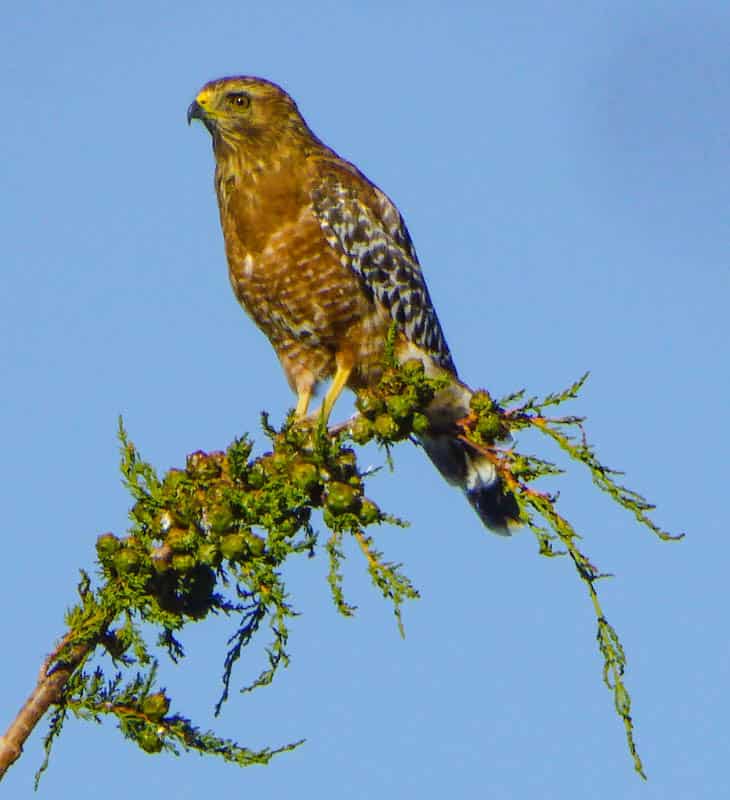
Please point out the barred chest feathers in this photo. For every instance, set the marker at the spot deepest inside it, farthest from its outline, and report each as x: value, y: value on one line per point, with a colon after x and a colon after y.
x: 307, y: 303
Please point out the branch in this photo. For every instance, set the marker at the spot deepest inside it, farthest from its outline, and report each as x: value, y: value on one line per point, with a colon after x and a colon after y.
x: 484, y: 428
x: 54, y: 675
x: 213, y: 536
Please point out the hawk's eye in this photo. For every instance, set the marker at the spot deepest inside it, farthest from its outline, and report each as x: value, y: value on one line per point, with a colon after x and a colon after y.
x: 238, y: 99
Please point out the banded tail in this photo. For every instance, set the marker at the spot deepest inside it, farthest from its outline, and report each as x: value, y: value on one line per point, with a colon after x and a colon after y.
x: 464, y: 466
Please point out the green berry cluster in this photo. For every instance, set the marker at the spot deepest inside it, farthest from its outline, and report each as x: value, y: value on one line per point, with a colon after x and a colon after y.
x: 319, y: 472
x: 185, y: 527
x: 147, y: 729
x: 227, y: 514
x: 487, y: 423
x: 393, y: 410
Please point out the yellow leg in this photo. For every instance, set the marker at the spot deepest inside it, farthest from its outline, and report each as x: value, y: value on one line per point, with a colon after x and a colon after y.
x: 303, y: 398
x: 342, y: 375
x: 338, y: 384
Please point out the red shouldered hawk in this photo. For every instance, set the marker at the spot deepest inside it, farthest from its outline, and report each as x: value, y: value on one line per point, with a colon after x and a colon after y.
x: 323, y: 262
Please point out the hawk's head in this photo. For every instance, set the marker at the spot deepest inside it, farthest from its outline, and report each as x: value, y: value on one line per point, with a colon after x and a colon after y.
x: 248, y: 114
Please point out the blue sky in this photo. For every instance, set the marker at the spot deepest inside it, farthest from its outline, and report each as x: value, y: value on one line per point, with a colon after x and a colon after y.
x: 564, y: 172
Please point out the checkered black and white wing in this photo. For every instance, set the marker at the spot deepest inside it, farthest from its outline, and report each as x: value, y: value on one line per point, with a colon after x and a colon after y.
x: 368, y: 232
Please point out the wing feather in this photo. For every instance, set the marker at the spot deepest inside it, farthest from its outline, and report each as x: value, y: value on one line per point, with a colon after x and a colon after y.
x: 366, y: 229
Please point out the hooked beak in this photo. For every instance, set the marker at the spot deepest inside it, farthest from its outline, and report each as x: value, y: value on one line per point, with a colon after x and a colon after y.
x: 196, y: 111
